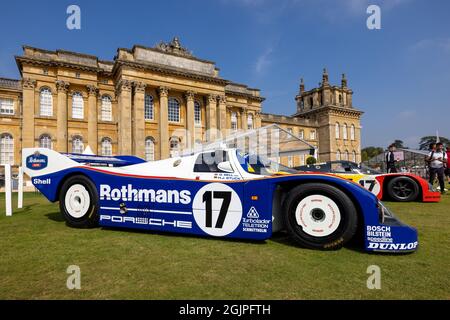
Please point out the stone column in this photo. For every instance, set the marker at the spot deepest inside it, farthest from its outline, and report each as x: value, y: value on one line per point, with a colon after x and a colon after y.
x: 164, y: 123
x: 123, y: 93
x: 257, y: 120
x: 211, y: 122
x: 92, y: 118
x: 244, y: 119
x: 190, y: 119
x: 28, y: 86
x: 61, y: 116
x: 139, y: 119
x: 222, y: 115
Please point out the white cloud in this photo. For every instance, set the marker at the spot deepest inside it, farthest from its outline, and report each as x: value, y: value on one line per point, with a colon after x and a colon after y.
x: 407, y: 114
x: 263, y: 62
x: 441, y: 44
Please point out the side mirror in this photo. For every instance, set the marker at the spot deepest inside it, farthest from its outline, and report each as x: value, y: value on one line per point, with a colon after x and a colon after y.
x: 225, y: 166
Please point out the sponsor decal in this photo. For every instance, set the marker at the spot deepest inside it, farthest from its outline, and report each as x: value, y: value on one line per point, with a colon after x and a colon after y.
x: 37, y: 161
x: 226, y: 176
x: 47, y: 181
x: 252, y: 223
x: 379, y: 234
x: 147, y: 221
x: 128, y: 193
x: 392, y: 246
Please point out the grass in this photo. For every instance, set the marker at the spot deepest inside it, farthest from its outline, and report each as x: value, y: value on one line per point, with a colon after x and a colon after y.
x: 37, y: 247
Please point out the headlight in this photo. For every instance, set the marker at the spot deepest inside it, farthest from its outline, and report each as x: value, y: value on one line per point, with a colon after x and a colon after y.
x: 384, y: 213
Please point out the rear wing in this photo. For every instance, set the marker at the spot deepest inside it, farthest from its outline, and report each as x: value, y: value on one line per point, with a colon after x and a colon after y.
x: 41, y: 161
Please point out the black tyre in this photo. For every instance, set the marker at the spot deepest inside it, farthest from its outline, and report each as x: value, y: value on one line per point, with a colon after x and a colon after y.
x: 403, y: 189
x: 78, y: 202
x: 320, y: 216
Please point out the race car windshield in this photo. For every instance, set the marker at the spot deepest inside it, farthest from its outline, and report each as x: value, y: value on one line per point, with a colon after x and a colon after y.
x: 367, y: 170
x: 257, y: 164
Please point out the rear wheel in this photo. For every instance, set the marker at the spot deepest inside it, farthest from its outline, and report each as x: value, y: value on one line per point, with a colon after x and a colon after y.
x: 403, y: 189
x: 320, y: 216
x: 78, y: 202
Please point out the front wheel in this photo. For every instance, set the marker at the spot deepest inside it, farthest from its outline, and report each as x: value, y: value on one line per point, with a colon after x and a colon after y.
x: 78, y: 202
x: 403, y: 189
x: 320, y: 216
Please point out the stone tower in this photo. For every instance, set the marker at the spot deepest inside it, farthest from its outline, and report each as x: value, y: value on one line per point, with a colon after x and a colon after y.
x: 339, y: 122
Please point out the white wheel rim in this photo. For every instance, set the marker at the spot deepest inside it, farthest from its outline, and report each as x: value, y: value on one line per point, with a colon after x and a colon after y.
x: 318, y: 215
x: 77, y: 201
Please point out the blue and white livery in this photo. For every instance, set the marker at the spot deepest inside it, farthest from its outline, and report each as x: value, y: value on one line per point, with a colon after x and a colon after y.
x: 220, y: 193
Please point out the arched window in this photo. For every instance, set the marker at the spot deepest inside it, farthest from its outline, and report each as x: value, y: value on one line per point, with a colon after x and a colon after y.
x: 352, y: 132
x: 250, y: 121
x: 77, y: 144
x: 337, y: 130
x: 174, y: 147
x: 174, y: 110
x: 77, y: 106
x: 148, y: 111
x: 234, y: 121
x: 354, y: 156
x: 301, y: 134
x: 6, y: 149
x: 338, y: 155
x: 340, y: 99
x: 106, y: 110
x: 106, y: 147
x: 344, y: 131
x: 346, y: 155
x: 149, y: 149
x: 46, y: 102
x: 45, y: 141
x: 197, y: 113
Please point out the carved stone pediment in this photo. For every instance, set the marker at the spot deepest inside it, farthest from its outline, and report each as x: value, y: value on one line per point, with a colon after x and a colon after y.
x: 174, y: 47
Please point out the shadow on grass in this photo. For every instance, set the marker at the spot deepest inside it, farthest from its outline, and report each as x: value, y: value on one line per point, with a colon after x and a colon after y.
x: 55, y: 216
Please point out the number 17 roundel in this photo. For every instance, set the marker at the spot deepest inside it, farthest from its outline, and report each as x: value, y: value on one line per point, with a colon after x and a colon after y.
x: 217, y: 209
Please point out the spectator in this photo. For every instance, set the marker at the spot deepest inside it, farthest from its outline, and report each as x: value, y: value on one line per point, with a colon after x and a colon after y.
x: 447, y: 169
x: 437, y: 159
x: 390, y: 160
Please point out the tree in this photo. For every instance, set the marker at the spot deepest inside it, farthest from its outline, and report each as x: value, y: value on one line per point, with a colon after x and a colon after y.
x: 370, y: 152
x: 425, y: 142
x: 399, y: 144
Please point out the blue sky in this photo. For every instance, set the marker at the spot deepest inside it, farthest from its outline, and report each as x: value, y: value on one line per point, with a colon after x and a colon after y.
x: 400, y: 74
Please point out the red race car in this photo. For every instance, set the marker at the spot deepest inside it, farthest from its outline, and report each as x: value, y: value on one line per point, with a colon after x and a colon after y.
x: 402, y: 187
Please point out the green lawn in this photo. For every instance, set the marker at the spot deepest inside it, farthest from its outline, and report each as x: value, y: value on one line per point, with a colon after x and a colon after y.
x: 37, y: 247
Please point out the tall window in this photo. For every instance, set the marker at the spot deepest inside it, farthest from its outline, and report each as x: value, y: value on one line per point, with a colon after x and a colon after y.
x: 338, y: 155
x: 77, y: 106
x: 174, y: 146
x: 149, y: 149
x: 46, y: 102
x: 250, y: 121
x: 106, y: 147
x: 289, y: 130
x: 197, y: 113
x: 312, y: 135
x: 6, y: 106
x: 77, y: 144
x: 354, y: 156
x: 6, y: 149
x: 301, y: 134
x: 106, y: 111
x: 148, y: 109
x: 352, y: 132
x: 234, y: 121
x: 45, y: 141
x: 346, y: 155
x: 290, y: 161
x: 344, y: 131
x: 174, y: 110
x: 337, y: 130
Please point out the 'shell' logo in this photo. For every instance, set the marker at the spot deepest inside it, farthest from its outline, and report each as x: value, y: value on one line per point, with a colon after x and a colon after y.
x: 37, y: 161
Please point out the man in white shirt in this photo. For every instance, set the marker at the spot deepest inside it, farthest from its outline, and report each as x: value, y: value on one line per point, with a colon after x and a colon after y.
x: 438, y: 160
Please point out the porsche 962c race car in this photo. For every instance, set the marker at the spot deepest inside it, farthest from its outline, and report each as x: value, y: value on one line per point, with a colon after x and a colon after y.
x: 218, y: 193
x: 402, y: 187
